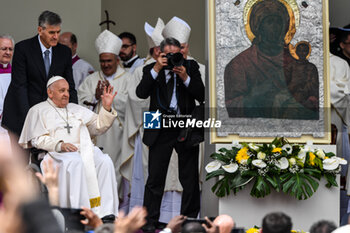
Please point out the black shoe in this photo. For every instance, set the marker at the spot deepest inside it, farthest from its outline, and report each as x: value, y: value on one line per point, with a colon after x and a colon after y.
x: 161, y: 225
x: 148, y: 228
x: 108, y: 218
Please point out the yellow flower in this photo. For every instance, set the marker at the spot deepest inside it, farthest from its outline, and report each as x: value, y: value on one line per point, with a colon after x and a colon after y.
x: 242, y: 155
x: 326, y: 157
x: 252, y: 230
x: 312, y: 157
x: 294, y: 231
x: 277, y: 149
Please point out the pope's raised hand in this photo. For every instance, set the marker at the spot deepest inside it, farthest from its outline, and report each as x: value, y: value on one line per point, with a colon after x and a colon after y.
x: 108, y: 97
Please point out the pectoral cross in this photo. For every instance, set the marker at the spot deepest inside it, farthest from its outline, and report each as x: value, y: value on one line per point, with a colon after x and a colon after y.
x: 68, y: 127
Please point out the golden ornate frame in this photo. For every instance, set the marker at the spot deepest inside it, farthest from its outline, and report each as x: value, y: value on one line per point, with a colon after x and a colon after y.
x: 214, y: 138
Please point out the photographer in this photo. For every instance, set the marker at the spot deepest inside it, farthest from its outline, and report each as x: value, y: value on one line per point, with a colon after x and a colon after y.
x: 172, y: 84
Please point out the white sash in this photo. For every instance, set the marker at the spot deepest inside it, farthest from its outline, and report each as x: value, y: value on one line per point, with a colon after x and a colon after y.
x: 87, y: 155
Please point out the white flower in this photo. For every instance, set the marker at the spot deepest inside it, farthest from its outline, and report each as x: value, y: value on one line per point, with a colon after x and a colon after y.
x: 244, y: 161
x: 282, y: 163
x: 302, y: 155
x: 330, y: 164
x: 259, y: 163
x: 333, y: 163
x: 213, y: 166
x: 231, y: 168
x: 253, y: 146
x: 287, y: 148
x: 273, y: 146
x: 261, y: 155
x: 342, y: 161
x: 235, y: 143
x: 292, y: 161
x: 320, y: 153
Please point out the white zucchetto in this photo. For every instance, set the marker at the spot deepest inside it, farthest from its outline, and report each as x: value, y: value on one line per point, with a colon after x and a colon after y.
x: 108, y: 42
x: 154, y: 34
x: 52, y: 80
x: 178, y: 29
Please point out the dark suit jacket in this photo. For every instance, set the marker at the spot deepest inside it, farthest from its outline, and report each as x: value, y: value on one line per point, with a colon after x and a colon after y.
x: 28, y: 83
x: 157, y: 90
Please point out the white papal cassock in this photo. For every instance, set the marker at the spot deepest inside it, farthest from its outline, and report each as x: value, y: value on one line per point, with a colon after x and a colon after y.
x: 86, y: 177
x: 111, y: 140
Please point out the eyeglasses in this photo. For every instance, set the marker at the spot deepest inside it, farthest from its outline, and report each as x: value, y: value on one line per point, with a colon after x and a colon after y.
x: 125, y: 46
x: 4, y: 49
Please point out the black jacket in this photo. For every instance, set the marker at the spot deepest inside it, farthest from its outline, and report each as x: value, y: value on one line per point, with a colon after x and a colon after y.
x: 28, y: 80
x: 157, y: 91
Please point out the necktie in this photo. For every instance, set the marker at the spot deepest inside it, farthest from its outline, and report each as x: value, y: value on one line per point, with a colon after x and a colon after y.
x: 170, y: 87
x: 47, y: 61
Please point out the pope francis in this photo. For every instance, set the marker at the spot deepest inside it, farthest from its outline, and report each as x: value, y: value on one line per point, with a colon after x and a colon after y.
x: 64, y: 130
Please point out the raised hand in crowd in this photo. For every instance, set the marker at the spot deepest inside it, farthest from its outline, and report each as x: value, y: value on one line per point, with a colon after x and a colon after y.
x: 210, y: 227
x: 92, y: 219
x: 108, y: 97
x: 132, y: 222
x: 50, y: 179
x: 175, y: 223
x: 22, y: 210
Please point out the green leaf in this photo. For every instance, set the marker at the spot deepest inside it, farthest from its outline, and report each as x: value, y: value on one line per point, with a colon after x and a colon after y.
x: 300, y: 185
x: 221, y: 157
x: 260, y: 188
x: 224, y: 150
x: 274, y: 181
x: 239, y: 181
x: 330, y: 154
x: 331, y: 180
x: 313, y: 172
x: 216, y: 173
x: 220, y: 188
x: 313, y: 183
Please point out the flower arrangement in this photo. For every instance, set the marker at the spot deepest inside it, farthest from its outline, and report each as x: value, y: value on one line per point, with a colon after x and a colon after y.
x: 293, y: 169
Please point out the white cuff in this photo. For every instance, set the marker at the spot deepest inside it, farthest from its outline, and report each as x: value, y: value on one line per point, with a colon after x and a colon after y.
x: 58, y: 146
x: 187, y: 82
x: 154, y: 74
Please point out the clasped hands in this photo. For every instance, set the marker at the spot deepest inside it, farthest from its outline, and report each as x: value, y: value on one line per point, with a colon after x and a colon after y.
x: 163, y: 61
x: 104, y: 91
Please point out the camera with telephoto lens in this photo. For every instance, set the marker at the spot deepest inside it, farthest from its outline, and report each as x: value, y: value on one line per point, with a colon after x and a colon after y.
x: 174, y: 59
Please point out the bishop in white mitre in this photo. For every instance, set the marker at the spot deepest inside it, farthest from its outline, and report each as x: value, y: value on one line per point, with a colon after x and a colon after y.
x: 111, y: 73
x: 64, y: 130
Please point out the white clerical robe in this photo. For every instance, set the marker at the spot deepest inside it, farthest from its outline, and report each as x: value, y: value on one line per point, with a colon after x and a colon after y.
x: 81, y: 69
x: 340, y: 112
x: 5, y: 80
x: 111, y: 141
x: 83, y: 180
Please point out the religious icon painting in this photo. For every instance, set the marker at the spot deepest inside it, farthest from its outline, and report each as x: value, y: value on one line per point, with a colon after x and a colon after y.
x: 268, y: 70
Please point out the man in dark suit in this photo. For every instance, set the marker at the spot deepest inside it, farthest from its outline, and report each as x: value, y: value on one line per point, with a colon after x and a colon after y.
x: 171, y: 91
x: 35, y: 60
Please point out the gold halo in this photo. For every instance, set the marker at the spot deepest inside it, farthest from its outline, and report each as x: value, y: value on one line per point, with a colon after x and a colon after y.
x: 293, y: 11
x: 292, y: 49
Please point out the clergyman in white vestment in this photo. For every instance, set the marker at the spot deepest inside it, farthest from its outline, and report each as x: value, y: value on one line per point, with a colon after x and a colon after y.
x: 6, y: 52
x: 111, y: 73
x: 86, y: 175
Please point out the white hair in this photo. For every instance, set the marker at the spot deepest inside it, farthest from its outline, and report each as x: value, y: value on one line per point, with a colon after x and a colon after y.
x: 7, y: 36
